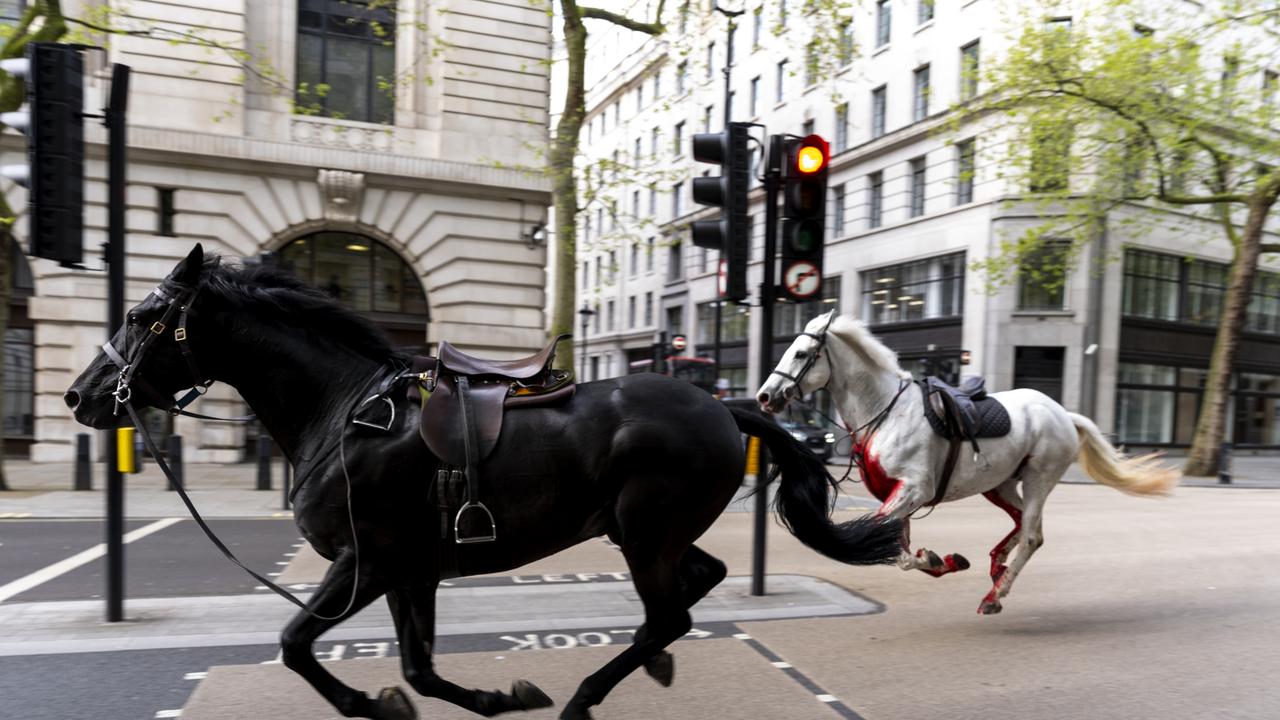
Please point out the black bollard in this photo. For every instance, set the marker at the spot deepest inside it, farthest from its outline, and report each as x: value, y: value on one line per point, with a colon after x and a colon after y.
x: 285, y: 483
x: 173, y: 449
x: 1224, y: 464
x: 84, y: 467
x: 264, y: 461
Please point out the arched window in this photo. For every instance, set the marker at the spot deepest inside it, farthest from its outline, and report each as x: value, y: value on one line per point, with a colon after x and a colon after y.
x: 347, y: 59
x: 367, y: 277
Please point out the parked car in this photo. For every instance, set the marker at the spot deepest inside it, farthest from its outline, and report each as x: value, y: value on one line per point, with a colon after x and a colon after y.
x: 810, y: 429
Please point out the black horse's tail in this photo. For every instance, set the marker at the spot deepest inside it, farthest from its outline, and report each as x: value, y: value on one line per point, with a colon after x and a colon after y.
x: 806, y: 495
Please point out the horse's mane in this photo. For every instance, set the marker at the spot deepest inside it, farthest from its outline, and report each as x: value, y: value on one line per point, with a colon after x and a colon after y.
x: 855, y: 333
x: 279, y: 295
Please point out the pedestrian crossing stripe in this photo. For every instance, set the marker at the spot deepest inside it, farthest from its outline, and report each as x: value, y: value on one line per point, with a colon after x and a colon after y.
x: 14, y: 515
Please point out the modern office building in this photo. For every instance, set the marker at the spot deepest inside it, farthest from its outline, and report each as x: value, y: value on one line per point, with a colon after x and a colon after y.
x: 366, y: 145
x: 913, y: 205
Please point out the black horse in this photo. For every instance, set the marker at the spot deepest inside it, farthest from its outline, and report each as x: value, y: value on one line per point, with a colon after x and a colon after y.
x: 645, y: 459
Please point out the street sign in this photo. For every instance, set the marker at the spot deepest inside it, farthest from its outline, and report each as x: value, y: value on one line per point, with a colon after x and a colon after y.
x: 678, y: 343
x: 802, y: 279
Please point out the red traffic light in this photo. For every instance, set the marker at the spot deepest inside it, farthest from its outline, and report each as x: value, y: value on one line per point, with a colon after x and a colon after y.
x: 811, y: 156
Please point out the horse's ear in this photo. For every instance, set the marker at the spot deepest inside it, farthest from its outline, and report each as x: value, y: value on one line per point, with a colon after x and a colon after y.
x: 187, y: 271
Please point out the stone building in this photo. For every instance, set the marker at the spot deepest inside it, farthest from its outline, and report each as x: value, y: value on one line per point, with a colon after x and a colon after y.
x: 912, y: 206
x: 373, y: 147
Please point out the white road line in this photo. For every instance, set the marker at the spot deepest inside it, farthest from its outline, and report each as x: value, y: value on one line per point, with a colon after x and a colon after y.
x: 62, y: 567
x: 195, y: 675
x: 741, y: 636
x: 168, y: 713
x: 782, y: 665
x: 828, y: 698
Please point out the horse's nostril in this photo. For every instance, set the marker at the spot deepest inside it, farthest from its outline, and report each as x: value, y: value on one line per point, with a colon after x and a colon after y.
x: 71, y: 398
x: 763, y: 398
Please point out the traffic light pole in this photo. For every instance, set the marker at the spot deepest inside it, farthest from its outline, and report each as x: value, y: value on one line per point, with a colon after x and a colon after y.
x: 768, y: 292
x: 115, y: 122
x: 728, y: 118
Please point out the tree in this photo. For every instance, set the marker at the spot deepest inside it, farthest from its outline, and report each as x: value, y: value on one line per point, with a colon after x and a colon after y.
x: 829, y: 49
x: 42, y: 21
x: 1100, y: 119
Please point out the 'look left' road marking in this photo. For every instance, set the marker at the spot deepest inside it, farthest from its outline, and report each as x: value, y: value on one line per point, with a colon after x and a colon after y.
x: 62, y: 567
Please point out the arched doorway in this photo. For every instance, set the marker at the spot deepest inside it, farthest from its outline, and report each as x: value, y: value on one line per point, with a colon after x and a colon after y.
x: 366, y: 276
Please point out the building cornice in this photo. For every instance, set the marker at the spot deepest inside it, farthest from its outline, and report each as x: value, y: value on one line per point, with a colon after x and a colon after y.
x: 229, y: 151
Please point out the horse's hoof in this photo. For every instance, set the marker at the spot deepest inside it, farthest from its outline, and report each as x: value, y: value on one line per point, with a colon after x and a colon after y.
x: 956, y: 562
x: 990, y: 607
x: 393, y: 704
x: 529, y: 696
x: 662, y: 667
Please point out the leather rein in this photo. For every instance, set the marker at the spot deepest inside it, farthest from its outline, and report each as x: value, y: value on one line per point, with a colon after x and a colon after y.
x: 180, y: 304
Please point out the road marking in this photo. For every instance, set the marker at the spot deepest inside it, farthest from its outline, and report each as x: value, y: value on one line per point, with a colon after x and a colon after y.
x: 801, y: 679
x: 196, y: 675
x: 14, y: 515
x: 62, y: 567
x: 828, y: 698
x: 782, y: 665
x: 168, y: 713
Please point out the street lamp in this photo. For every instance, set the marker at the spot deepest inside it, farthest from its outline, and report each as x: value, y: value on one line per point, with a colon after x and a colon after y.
x: 586, y: 312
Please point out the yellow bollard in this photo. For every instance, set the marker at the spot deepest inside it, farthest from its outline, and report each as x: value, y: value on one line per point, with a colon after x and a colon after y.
x: 753, y: 456
x: 126, y: 461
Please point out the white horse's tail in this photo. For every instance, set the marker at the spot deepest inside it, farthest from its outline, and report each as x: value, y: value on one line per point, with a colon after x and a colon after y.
x: 1138, y: 475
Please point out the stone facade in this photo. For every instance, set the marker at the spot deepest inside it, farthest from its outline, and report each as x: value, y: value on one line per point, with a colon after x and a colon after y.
x: 451, y: 186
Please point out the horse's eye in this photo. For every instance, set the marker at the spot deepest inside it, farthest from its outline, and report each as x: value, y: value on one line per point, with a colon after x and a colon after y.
x: 801, y: 355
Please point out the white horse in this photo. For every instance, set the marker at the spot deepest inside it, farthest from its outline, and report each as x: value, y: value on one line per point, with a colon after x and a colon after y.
x: 902, y: 458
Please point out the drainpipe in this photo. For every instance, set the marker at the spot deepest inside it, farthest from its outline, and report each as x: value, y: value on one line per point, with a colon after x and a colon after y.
x: 1093, y: 322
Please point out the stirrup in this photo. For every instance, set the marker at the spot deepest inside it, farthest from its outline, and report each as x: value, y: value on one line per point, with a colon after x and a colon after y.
x: 493, y: 528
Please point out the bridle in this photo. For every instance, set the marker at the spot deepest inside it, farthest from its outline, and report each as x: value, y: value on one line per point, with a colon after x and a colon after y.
x: 821, y: 338
x: 179, y: 303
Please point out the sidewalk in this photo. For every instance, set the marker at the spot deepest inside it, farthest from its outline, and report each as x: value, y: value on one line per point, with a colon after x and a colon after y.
x: 43, y: 490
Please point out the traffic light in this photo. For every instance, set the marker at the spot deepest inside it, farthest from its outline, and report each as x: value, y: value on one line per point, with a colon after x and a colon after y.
x: 804, y: 203
x: 730, y: 233
x: 53, y: 121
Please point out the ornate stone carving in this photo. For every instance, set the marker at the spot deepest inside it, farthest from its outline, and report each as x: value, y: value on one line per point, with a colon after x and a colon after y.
x: 317, y: 131
x: 341, y: 192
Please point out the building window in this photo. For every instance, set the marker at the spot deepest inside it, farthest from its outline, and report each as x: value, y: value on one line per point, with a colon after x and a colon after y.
x: 1230, y: 73
x: 11, y: 11
x: 920, y: 290
x: 921, y: 107
x: 19, y: 382
x: 677, y: 139
x: 754, y: 110
x: 648, y: 257
x: 789, y: 319
x: 917, y: 187
x: 837, y: 211
x: 675, y: 261
x: 358, y: 271
x: 875, y: 198
x: 1042, y: 277
x: 878, y: 109
x: 653, y: 200
x: 883, y: 22
x: 842, y: 127
x: 586, y: 275
x: 682, y: 72
x: 165, y: 212
x: 1270, y: 80
x: 1050, y: 157
x: 806, y: 128
x: 653, y: 143
x: 969, y: 70
x: 782, y: 13
x: 757, y: 21
x: 635, y: 204
x: 608, y: 316
x: 634, y: 265
x: 734, y: 324
x: 782, y: 82
x: 631, y: 312
x: 811, y: 64
x: 675, y: 321
x: 346, y: 60
x: 599, y: 271
x: 1159, y: 405
x: 677, y: 200
x: 648, y: 309
x: 707, y: 112
x: 845, y: 49
x: 966, y: 164
x: 1150, y: 285
x: 639, y: 97
x: 924, y: 11
x: 711, y: 59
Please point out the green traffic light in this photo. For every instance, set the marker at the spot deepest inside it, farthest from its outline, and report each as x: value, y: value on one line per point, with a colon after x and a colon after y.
x: 804, y: 239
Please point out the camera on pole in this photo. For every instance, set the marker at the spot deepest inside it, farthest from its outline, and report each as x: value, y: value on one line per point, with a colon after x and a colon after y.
x: 53, y: 121
x: 730, y: 233
x: 804, y: 204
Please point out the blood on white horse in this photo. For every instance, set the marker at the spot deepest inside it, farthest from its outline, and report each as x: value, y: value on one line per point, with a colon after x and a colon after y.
x: 902, y: 459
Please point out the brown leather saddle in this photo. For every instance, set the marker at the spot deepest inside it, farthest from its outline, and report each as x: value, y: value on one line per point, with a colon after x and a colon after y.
x: 464, y: 401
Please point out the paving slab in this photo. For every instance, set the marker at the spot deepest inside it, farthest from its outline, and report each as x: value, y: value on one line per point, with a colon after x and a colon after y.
x: 714, y: 679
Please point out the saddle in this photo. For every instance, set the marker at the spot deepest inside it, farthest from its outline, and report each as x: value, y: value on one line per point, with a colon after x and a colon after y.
x: 464, y: 399
x: 961, y: 414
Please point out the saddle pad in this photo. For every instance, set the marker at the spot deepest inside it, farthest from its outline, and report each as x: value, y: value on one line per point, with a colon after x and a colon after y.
x: 992, y: 419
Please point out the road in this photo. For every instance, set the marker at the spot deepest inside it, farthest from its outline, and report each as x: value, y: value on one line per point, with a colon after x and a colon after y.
x: 1135, y: 608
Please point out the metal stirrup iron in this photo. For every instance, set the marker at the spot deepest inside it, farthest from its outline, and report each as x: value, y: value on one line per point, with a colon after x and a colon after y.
x: 470, y: 503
